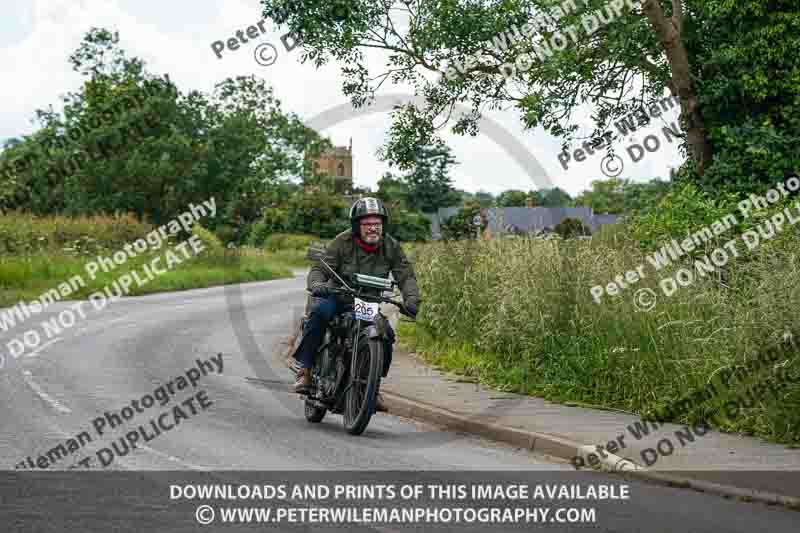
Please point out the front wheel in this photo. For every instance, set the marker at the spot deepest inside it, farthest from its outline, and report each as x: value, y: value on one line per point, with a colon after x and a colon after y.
x: 361, y: 396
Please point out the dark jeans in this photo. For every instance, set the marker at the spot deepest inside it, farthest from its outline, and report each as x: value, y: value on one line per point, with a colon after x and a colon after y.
x: 322, y: 311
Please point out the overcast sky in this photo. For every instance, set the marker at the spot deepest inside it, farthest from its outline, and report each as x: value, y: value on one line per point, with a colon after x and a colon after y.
x: 175, y: 36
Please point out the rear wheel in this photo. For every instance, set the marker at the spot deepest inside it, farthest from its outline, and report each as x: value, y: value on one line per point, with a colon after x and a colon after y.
x: 361, y: 396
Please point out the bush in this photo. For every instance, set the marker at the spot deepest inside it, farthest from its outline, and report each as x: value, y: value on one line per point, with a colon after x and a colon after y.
x: 571, y: 227
x: 227, y: 233
x: 22, y: 233
x: 213, y: 246
x: 319, y: 214
x: 286, y: 241
x: 682, y: 211
x: 408, y: 226
x: 460, y: 225
x: 274, y: 220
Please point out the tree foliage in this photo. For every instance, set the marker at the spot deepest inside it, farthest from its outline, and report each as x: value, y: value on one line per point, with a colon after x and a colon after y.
x: 129, y: 141
x: 428, y: 183
x: 393, y: 191
x: 554, y: 197
x: 514, y: 198
x: 732, y: 65
x: 622, y: 196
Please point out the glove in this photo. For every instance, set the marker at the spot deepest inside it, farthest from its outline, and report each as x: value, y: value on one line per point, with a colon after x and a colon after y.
x: 411, y: 309
x: 320, y: 291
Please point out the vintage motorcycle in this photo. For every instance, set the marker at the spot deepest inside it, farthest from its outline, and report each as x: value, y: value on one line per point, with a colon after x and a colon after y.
x: 349, y: 363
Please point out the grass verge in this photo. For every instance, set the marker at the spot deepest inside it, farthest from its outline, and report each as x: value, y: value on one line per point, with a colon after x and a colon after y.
x: 25, y: 278
x: 518, y: 315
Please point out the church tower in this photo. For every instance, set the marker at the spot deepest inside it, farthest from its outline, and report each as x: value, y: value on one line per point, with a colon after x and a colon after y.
x: 336, y: 164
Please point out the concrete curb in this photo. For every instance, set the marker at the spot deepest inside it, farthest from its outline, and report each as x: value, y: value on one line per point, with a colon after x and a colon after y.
x: 545, y: 443
x: 565, y: 448
x: 558, y: 446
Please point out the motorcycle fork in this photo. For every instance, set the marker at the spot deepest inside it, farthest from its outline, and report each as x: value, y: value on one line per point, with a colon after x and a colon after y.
x: 355, y: 351
x: 353, y: 360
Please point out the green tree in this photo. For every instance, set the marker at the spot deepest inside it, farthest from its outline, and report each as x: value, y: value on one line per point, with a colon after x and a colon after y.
x: 484, y: 199
x: 513, y: 198
x: 554, y: 197
x: 428, y: 183
x: 616, y: 195
x: 393, y: 191
x: 409, y: 226
x: 321, y: 214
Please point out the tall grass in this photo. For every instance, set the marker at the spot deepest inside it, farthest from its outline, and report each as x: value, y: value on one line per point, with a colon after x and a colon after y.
x: 519, y: 314
x: 23, y: 233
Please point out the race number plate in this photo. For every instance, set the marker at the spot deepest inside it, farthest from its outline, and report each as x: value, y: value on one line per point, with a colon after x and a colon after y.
x: 365, y: 310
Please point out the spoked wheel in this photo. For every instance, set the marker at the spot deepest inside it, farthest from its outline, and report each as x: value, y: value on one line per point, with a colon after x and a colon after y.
x: 361, y: 396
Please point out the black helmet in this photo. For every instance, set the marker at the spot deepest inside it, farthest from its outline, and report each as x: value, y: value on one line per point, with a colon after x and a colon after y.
x: 367, y: 206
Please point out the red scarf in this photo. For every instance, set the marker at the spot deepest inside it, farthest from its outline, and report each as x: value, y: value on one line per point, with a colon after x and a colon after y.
x: 369, y: 248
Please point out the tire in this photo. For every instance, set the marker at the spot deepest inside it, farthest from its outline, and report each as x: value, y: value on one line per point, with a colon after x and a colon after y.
x: 361, y: 396
x: 314, y: 414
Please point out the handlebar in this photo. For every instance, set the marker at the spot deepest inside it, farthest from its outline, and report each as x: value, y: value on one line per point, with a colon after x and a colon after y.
x: 379, y: 299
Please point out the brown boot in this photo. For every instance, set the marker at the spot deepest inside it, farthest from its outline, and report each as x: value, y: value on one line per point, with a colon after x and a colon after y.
x: 380, y: 407
x: 302, y: 384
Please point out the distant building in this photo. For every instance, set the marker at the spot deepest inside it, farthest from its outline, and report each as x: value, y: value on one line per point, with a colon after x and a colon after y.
x: 524, y: 220
x: 336, y: 165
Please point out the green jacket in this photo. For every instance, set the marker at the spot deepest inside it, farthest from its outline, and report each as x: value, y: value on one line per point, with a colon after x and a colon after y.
x: 348, y: 258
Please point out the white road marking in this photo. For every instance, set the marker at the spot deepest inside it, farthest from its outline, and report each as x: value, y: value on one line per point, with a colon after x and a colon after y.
x: 26, y: 375
x: 63, y: 409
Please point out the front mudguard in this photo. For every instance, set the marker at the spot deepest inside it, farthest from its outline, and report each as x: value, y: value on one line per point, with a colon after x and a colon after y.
x: 378, y: 329
x: 380, y: 333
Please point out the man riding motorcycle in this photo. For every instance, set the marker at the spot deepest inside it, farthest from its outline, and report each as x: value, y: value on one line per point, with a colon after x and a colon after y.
x: 363, y: 249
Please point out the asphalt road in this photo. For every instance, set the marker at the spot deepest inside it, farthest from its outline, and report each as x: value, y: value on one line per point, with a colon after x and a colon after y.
x: 137, y: 345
